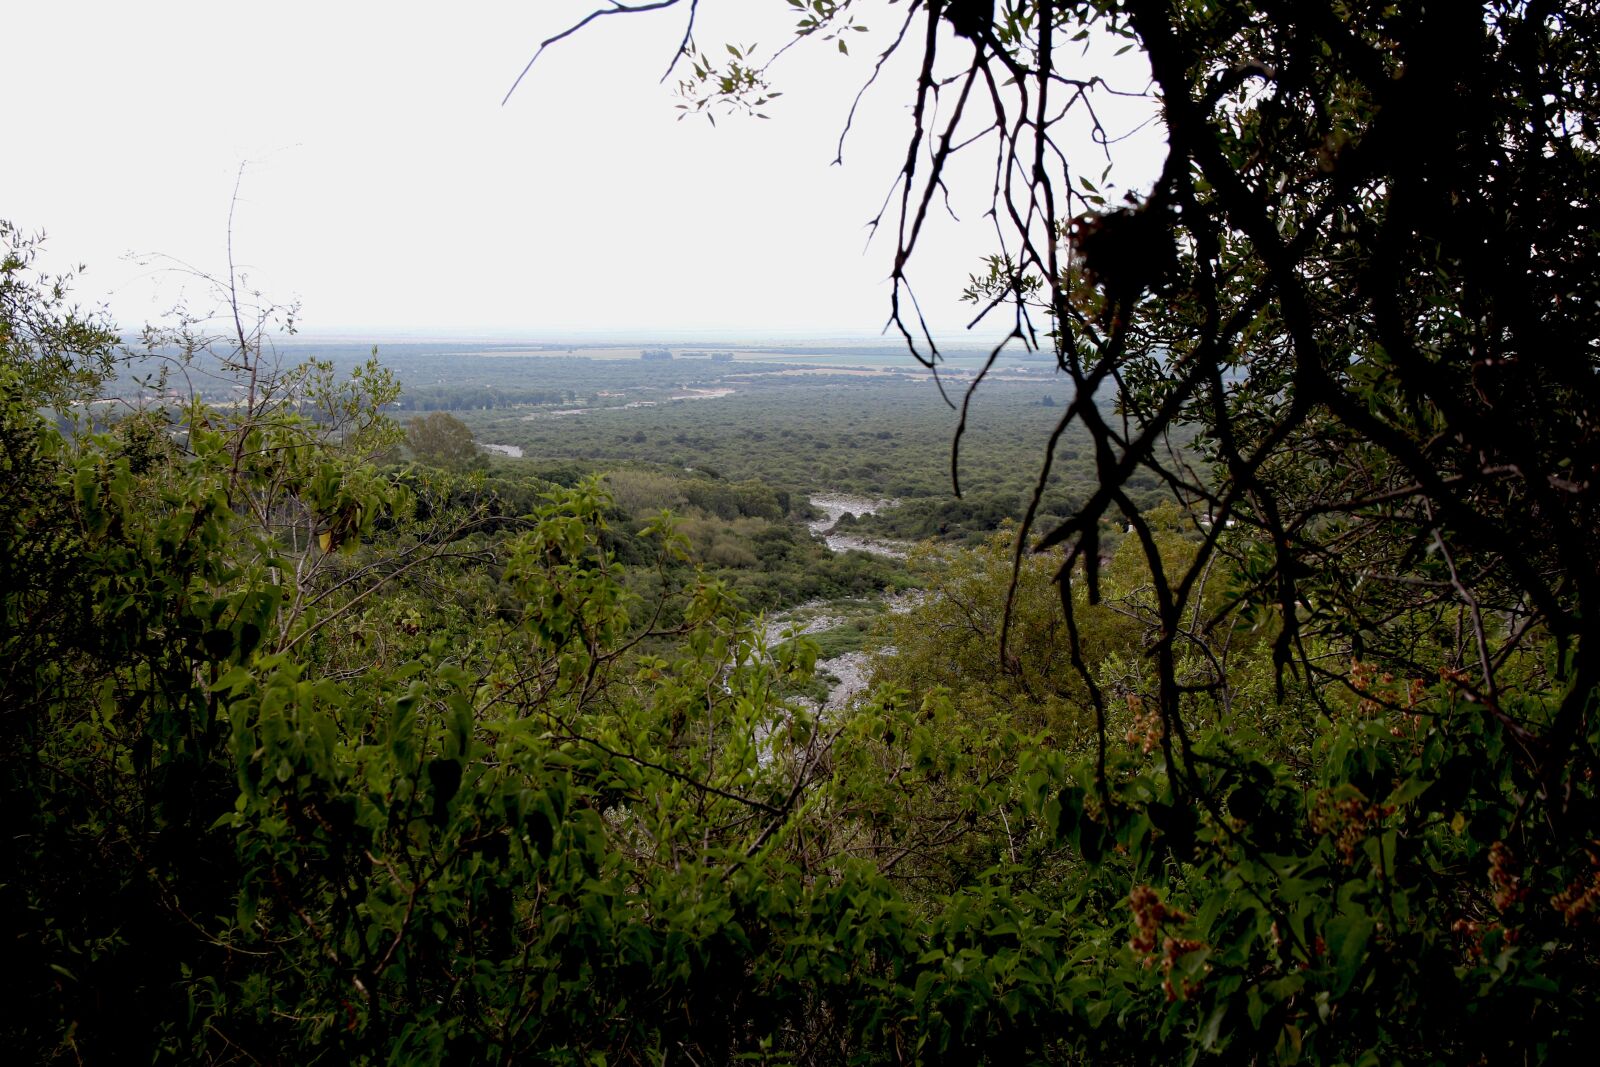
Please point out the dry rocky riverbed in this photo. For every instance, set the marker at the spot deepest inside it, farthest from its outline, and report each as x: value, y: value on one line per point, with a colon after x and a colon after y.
x: 818, y: 617
x: 848, y: 672
x: 514, y: 451
x: 849, y: 669
x: 834, y: 506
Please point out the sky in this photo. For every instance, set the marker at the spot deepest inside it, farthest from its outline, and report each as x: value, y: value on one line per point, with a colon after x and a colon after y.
x: 383, y: 186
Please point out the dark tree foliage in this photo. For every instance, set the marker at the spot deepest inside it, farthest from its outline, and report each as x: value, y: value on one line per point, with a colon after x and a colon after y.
x: 1383, y: 314
x: 58, y: 352
x: 442, y: 440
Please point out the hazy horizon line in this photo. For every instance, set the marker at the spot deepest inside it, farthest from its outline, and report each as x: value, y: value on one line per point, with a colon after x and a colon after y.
x: 599, y: 338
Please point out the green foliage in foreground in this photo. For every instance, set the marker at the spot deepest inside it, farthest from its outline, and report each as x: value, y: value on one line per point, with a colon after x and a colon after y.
x: 534, y: 840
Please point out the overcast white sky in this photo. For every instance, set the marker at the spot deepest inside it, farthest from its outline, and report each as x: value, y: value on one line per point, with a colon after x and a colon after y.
x: 390, y: 193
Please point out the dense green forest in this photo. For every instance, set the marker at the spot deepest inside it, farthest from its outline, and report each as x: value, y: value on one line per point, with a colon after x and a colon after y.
x: 1241, y: 708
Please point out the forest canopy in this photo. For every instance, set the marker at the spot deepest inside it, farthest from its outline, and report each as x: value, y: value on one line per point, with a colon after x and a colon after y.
x: 313, y: 753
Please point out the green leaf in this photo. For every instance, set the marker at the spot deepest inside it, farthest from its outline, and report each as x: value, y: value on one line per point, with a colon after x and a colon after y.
x: 1409, y: 790
x: 1211, y: 1031
x: 1347, y: 941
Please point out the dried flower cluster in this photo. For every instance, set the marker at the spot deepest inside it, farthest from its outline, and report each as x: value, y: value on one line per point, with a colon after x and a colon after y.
x: 1503, y: 877
x: 1472, y: 933
x: 1582, y: 895
x: 1150, y: 914
x: 1145, y: 729
x: 1348, y: 821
